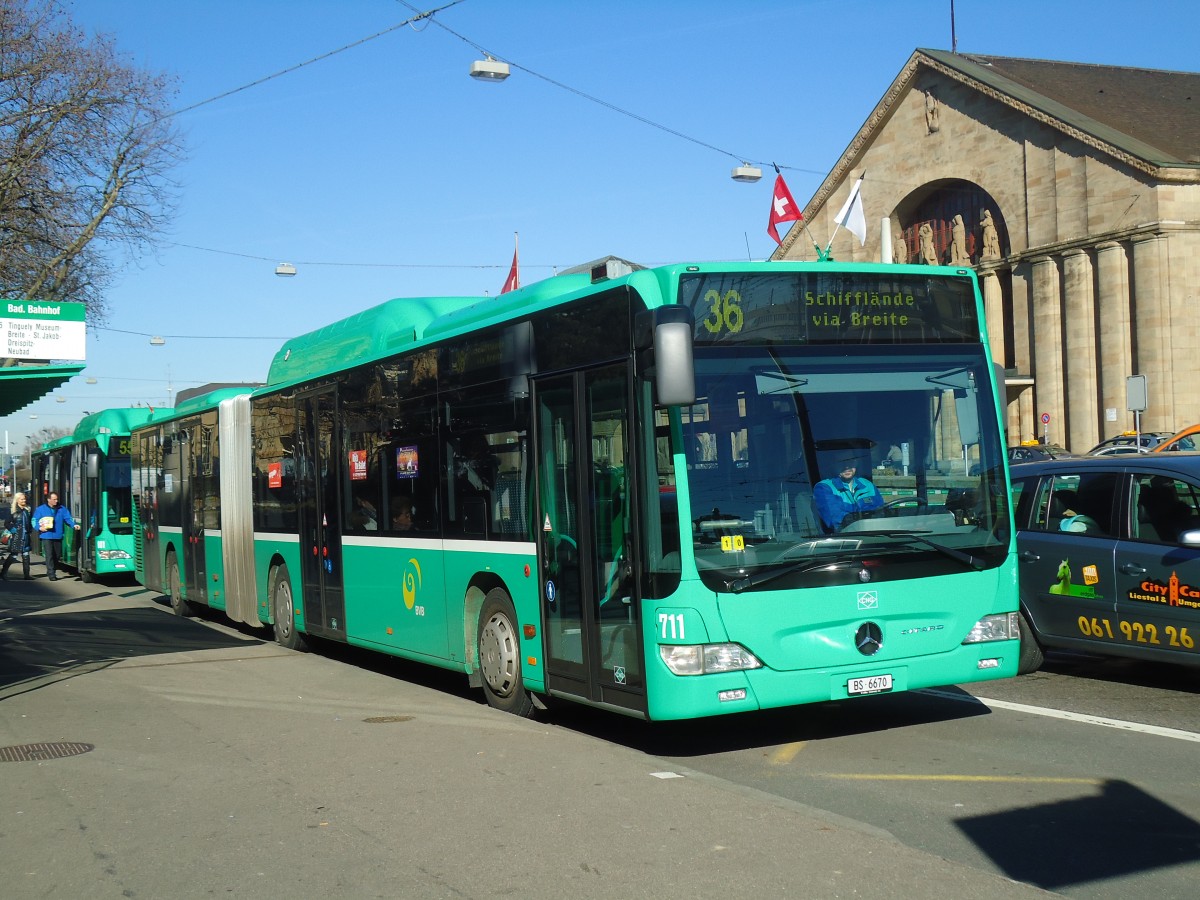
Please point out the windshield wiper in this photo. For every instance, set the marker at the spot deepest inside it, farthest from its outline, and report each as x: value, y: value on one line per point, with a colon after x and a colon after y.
x: 737, y: 585
x: 957, y: 555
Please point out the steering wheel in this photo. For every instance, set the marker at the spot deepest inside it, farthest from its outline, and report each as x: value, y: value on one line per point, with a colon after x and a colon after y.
x: 889, y: 508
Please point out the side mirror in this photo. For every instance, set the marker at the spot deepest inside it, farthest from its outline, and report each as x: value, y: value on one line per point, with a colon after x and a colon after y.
x: 93, y: 465
x: 674, y: 361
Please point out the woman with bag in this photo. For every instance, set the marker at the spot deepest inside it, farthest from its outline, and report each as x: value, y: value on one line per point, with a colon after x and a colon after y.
x: 20, y: 532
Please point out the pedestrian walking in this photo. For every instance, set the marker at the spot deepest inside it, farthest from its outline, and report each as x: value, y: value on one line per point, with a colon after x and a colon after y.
x: 52, y: 520
x: 20, y: 535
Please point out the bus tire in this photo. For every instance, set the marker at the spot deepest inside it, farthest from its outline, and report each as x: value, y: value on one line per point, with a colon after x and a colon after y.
x: 1031, y: 657
x: 499, y: 647
x: 283, y: 608
x: 179, y: 606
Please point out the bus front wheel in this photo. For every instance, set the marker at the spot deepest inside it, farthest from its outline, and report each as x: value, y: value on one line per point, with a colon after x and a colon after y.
x: 1031, y: 657
x: 283, y: 605
x: 499, y: 647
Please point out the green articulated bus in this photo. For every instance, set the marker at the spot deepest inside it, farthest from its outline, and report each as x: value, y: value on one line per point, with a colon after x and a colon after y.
x: 613, y: 487
x: 193, y: 531
x: 90, y: 471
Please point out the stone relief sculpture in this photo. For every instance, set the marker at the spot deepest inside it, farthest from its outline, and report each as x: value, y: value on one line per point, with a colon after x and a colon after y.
x: 991, y: 240
x: 899, y: 247
x: 958, y: 243
x: 931, y: 112
x: 928, y: 253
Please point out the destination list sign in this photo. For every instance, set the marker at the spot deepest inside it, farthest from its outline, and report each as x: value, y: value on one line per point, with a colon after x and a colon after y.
x: 35, y: 329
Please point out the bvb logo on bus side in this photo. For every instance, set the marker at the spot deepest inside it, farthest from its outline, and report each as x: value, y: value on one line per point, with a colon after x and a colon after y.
x: 412, y: 582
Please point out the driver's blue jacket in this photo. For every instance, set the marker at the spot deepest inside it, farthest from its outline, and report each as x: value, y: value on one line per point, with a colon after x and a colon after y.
x: 837, y: 499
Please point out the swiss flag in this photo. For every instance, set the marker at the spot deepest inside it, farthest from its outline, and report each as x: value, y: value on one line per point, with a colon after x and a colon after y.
x: 783, y: 208
x: 513, y: 281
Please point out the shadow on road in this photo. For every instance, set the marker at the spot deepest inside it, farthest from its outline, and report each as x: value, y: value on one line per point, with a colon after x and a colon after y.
x: 1122, y: 831
x: 40, y: 646
x: 770, y: 728
x: 1140, y: 673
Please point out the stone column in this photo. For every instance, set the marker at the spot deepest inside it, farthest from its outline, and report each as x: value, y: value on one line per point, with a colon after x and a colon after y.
x: 1152, y: 312
x: 1047, y: 347
x: 993, y: 313
x: 1116, y: 354
x: 1082, y: 383
x: 1022, y: 421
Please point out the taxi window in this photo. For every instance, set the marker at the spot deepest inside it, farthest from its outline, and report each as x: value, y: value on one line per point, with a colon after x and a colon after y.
x: 1165, y: 507
x: 1076, y: 504
x: 1023, y: 492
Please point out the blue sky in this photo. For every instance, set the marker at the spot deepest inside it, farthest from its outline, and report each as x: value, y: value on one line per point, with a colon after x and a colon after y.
x: 385, y: 171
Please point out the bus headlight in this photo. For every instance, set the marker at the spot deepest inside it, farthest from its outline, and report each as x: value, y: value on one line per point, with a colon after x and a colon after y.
x: 113, y: 554
x: 707, y: 659
x: 1000, y: 627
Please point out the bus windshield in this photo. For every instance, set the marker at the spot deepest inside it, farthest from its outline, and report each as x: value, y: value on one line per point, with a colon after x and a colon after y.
x: 811, y: 465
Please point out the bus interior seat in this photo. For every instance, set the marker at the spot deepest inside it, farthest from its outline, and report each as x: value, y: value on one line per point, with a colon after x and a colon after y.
x: 509, y: 505
x: 1161, y: 514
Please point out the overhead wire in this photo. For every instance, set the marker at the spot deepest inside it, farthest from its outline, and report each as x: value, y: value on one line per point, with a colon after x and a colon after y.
x: 606, y: 104
x: 428, y: 14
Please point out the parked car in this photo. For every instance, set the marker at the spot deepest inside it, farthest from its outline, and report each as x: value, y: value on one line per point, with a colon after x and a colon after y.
x: 1181, y: 440
x: 1109, y: 551
x: 1033, y: 452
x: 1029, y: 453
x: 1119, y: 449
x: 1132, y: 441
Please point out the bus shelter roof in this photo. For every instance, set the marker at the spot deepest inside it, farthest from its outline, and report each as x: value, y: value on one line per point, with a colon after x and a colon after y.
x: 22, y: 385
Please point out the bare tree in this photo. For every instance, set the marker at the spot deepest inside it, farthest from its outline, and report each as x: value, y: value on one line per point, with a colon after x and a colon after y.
x: 87, y: 144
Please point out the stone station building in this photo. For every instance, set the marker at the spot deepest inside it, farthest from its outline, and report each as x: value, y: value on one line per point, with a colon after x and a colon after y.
x: 1074, y: 192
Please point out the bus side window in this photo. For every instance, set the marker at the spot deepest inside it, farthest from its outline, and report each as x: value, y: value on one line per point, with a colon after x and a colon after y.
x: 410, y: 468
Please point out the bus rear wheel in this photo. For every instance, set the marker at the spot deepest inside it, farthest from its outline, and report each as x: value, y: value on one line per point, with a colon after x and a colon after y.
x: 283, y: 605
x: 499, y: 647
x: 179, y: 606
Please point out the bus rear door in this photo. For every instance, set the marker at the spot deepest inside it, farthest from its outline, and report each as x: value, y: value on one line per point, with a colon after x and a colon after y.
x: 318, y: 481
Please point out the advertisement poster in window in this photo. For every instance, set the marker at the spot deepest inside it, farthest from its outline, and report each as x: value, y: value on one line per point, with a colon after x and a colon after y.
x: 358, y: 465
x: 406, y: 462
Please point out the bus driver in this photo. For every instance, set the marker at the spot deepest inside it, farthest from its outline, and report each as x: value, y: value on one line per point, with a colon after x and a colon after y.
x: 845, y: 495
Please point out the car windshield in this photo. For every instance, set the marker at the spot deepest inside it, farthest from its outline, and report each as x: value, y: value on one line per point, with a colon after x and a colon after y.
x: 912, y: 433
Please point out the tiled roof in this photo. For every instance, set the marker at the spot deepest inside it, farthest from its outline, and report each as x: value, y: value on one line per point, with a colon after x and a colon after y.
x: 1150, y: 113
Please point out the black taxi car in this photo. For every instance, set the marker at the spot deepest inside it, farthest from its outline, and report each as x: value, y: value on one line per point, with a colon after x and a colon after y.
x: 1109, y: 556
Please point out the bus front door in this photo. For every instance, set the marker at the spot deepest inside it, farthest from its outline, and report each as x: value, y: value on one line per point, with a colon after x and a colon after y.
x: 585, y: 546
x: 318, y: 479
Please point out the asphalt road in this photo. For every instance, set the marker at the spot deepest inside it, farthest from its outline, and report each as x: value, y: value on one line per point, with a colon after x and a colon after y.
x: 218, y: 763
x: 1081, y: 779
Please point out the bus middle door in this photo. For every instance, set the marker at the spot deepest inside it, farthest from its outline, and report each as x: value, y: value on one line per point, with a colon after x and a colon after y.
x: 318, y: 477
x: 192, y: 514
x: 589, y: 602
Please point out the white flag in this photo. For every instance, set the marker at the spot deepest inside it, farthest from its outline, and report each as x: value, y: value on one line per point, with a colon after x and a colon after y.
x: 851, y: 216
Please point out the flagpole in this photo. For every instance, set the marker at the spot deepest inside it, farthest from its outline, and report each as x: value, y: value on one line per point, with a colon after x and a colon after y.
x: 804, y: 223
x: 816, y: 246
x: 849, y: 205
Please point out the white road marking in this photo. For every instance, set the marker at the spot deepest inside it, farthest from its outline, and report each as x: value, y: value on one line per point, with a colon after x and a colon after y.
x: 1082, y: 718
